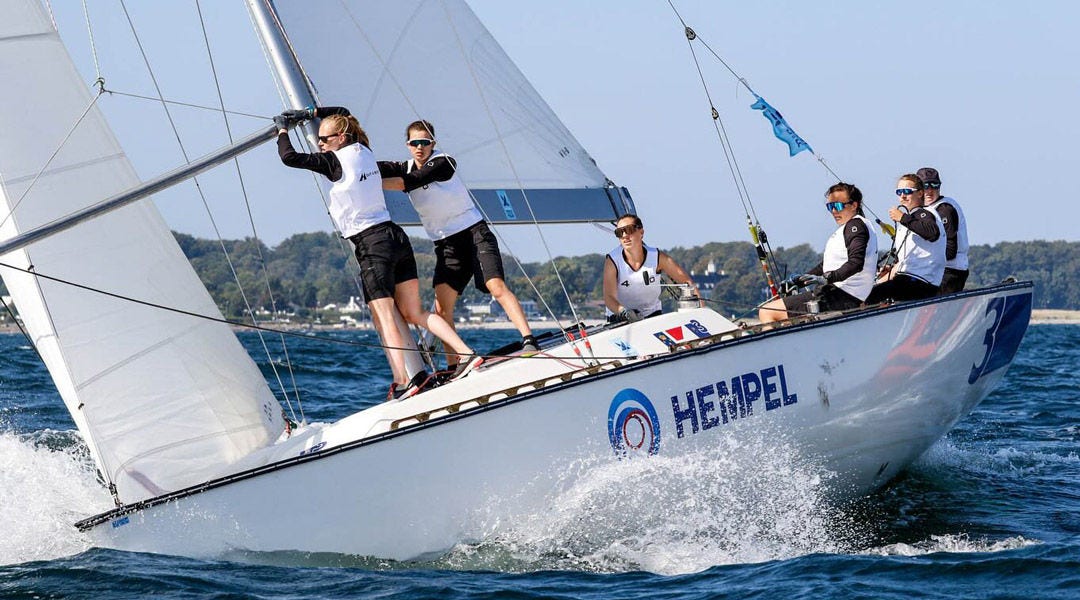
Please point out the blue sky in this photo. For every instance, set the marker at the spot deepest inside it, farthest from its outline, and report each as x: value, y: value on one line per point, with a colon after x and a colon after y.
x: 981, y: 90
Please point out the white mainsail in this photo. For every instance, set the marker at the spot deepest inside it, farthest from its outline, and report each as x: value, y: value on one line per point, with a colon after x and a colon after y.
x: 392, y: 63
x: 164, y: 400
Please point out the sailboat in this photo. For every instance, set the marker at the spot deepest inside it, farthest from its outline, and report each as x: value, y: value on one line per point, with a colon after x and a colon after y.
x: 193, y: 445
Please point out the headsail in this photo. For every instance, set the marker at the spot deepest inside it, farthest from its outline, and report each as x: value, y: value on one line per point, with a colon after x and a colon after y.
x: 164, y: 400
x: 394, y: 62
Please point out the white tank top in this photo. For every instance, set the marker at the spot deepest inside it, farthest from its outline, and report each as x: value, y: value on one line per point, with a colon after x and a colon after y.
x: 445, y: 207
x: 960, y: 262
x: 919, y: 257
x: 356, y: 200
x: 859, y: 284
x: 638, y: 289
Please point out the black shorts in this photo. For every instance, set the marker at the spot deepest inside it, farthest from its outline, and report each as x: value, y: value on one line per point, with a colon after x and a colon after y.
x: 386, y: 259
x: 829, y: 297
x: 469, y: 254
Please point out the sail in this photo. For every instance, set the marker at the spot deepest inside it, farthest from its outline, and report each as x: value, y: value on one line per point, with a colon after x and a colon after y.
x: 163, y: 400
x: 392, y: 63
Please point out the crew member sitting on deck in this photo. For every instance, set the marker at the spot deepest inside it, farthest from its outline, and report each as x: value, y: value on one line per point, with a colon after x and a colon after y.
x: 632, y: 274
x: 919, y: 248
x: 956, y: 239
x: 846, y: 272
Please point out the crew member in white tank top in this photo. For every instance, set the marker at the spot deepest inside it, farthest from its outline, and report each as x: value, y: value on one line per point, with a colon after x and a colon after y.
x: 356, y: 199
x: 465, y: 248
x: 387, y: 265
x: 445, y: 207
x: 956, y: 237
x: 639, y: 288
x: 632, y: 274
x: 919, y: 248
x: 845, y: 275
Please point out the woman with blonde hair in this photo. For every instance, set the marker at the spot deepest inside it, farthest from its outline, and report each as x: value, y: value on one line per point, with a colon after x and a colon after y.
x: 387, y: 264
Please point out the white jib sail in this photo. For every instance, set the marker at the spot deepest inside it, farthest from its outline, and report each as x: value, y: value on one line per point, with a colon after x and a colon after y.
x: 163, y: 400
x: 394, y: 62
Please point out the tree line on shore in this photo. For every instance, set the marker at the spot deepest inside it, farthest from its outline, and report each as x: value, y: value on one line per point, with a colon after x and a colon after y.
x: 311, y: 270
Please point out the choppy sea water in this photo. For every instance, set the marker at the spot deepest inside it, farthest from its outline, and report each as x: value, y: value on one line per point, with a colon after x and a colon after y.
x: 991, y: 511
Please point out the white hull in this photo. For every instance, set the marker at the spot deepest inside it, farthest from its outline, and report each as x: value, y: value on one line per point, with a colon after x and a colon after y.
x: 861, y: 395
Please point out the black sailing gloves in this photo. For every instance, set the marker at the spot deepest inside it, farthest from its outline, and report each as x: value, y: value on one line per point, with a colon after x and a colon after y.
x: 290, y: 118
x: 807, y: 280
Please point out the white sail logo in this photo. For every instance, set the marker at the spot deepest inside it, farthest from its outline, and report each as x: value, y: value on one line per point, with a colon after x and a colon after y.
x: 633, y: 426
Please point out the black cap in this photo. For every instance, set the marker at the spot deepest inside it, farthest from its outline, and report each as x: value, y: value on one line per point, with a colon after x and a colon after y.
x: 929, y: 175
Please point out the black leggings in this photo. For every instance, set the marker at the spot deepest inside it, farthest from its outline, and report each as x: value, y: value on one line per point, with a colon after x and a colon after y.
x: 900, y: 288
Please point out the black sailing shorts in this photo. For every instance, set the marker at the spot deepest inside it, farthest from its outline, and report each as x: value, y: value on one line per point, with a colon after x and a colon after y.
x: 472, y: 253
x: 386, y: 259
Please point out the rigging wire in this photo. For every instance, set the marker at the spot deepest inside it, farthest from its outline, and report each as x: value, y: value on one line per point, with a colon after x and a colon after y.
x: 187, y: 104
x: 52, y: 156
x: 100, y: 81
x: 202, y: 196
x: 251, y: 220
x: 252, y: 326
x: 757, y: 233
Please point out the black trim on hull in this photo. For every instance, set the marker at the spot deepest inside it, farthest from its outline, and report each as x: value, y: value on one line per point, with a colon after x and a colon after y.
x: 91, y: 522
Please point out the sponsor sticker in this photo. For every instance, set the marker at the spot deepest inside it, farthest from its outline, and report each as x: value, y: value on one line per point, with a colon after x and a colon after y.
x: 633, y: 427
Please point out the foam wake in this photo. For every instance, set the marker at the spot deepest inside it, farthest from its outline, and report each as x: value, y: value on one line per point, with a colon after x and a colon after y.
x: 47, y: 483
x: 737, y: 502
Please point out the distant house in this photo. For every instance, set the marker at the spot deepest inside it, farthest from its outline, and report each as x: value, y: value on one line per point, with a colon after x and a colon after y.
x: 491, y: 310
x: 349, y: 308
x: 709, y: 279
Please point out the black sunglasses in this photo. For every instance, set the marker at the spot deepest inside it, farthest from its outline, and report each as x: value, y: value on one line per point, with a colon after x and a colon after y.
x: 625, y: 230
x: 326, y: 138
x: 420, y: 143
x: 933, y: 186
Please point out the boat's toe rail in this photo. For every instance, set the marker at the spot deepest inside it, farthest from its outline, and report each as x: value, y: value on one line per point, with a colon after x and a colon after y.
x: 479, y: 401
x: 747, y: 329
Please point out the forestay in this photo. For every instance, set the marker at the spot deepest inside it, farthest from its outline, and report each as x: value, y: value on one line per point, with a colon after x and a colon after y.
x: 394, y: 62
x: 164, y: 400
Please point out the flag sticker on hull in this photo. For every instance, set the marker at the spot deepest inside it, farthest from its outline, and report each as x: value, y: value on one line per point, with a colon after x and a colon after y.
x: 676, y: 335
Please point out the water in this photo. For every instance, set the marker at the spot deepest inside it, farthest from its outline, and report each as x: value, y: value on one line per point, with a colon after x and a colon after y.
x: 992, y: 511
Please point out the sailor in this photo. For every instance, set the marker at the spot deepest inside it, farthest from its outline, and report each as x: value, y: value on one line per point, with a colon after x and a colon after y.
x: 387, y: 264
x: 845, y: 275
x: 956, y: 239
x: 465, y: 247
x: 919, y: 248
x: 632, y: 274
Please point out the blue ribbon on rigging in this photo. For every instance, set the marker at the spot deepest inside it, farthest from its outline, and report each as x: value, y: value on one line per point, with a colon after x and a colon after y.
x: 780, y: 127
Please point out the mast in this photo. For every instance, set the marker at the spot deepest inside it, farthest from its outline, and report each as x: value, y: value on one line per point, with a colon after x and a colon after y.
x: 285, y: 64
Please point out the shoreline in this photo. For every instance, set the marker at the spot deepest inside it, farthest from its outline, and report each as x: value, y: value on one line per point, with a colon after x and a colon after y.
x: 1045, y: 316
x: 1040, y: 316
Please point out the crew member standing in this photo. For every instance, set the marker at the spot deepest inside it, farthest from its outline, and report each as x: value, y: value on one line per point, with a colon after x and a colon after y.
x: 465, y: 247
